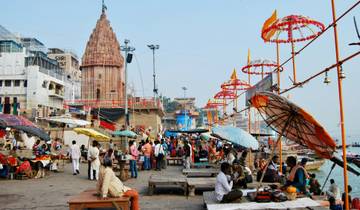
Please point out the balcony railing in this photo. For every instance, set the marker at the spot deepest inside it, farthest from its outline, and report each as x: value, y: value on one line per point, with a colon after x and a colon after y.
x: 133, y: 103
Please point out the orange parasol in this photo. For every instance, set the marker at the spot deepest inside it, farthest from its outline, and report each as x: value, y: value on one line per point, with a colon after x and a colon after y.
x: 294, y: 123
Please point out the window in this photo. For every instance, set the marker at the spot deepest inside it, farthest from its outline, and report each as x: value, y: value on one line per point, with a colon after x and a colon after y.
x: 25, y: 83
x: 7, y: 83
x: 99, y: 76
x: 97, y: 94
x: 16, y: 83
x: 1, y: 83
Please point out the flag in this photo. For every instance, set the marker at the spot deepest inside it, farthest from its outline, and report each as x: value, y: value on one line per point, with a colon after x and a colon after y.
x: 271, y: 20
x: 234, y: 75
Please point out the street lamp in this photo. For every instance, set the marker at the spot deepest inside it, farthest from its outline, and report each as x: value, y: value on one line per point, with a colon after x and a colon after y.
x: 184, y: 89
x: 128, y: 58
x: 153, y: 48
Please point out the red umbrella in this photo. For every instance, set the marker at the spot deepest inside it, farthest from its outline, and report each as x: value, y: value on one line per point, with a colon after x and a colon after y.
x: 260, y: 67
x: 291, y: 29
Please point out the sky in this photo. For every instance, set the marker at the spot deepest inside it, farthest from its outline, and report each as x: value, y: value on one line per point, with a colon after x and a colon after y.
x: 201, y: 42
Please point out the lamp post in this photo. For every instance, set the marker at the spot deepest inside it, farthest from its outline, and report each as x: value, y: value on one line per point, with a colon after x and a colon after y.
x: 128, y: 58
x: 153, y: 48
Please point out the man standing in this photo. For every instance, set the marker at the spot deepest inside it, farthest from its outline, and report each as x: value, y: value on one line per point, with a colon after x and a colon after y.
x: 159, y: 154
x: 187, y: 149
x: 224, y: 184
x: 147, y: 149
x: 75, y: 157
x: 95, y: 161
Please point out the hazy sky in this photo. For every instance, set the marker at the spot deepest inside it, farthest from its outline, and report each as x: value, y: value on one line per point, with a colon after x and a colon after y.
x: 201, y: 41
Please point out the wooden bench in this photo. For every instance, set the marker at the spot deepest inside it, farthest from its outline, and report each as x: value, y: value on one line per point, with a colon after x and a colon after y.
x: 88, y: 199
x: 161, y: 180
x: 201, y: 172
x: 174, y: 160
x: 193, y: 183
x: 211, y: 203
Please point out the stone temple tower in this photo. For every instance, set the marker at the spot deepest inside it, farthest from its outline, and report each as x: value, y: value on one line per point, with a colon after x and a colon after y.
x: 102, y: 67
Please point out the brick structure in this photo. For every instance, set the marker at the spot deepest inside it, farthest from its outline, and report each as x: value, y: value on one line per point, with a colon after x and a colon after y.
x: 102, y: 65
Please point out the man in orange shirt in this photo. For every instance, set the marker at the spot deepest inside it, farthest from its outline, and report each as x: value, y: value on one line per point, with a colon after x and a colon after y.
x: 147, y: 149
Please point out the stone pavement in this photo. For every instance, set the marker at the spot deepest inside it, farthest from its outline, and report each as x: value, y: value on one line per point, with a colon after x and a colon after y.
x: 53, y: 191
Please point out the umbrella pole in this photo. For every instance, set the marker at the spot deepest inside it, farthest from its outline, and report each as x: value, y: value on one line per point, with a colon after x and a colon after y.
x: 342, y: 121
x: 293, y: 56
x: 332, y: 168
x: 278, y: 84
x: 273, y: 151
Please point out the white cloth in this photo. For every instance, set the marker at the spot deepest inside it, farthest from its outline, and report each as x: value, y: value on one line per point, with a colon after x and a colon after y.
x: 158, y: 150
x: 222, y: 186
x: 75, y: 151
x: 230, y: 158
x: 334, y: 191
x: 94, y: 158
x: 75, y: 164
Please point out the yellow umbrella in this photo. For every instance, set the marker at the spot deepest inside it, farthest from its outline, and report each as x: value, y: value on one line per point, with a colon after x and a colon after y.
x: 92, y: 133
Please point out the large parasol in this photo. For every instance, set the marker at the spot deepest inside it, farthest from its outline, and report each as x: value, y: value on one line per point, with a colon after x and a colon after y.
x: 92, y: 133
x: 225, y: 95
x: 236, y: 136
x: 23, y: 124
x: 125, y: 133
x: 291, y: 29
x: 294, y: 123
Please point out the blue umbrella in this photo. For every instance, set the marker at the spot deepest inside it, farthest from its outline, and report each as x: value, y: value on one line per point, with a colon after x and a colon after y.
x: 124, y: 133
x: 236, y: 136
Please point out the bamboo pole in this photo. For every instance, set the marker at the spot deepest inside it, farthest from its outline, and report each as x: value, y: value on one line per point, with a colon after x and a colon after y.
x: 249, y: 81
x: 293, y: 56
x: 342, y: 120
x: 278, y: 84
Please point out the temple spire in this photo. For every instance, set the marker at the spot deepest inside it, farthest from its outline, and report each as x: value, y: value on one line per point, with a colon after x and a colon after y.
x: 103, y: 7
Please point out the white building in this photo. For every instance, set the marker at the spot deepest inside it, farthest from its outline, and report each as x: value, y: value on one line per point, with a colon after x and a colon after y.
x: 31, y: 83
x: 69, y: 62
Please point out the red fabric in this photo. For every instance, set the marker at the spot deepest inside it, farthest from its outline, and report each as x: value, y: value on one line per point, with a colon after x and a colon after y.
x: 134, y: 197
x: 107, y: 125
x: 2, y: 133
x: 24, y: 168
x: 12, y: 161
x: 3, y: 159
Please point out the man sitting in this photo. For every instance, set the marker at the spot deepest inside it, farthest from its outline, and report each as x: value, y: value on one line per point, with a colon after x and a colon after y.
x: 109, y: 184
x: 271, y: 173
x: 224, y: 184
x: 298, y: 175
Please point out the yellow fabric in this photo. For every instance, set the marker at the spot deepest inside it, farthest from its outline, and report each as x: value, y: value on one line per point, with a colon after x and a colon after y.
x: 109, y: 184
x: 234, y: 75
x: 92, y: 133
x: 267, y: 24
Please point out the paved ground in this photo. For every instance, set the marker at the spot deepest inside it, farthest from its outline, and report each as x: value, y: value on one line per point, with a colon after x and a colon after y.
x: 53, y: 191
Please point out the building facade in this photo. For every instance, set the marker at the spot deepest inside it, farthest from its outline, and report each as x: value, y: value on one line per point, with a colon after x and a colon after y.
x: 69, y: 62
x: 31, y: 83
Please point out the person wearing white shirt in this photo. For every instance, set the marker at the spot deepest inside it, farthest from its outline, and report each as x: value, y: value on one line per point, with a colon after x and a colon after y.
x: 95, y: 161
x: 224, y: 184
x: 75, y: 157
x: 159, y: 154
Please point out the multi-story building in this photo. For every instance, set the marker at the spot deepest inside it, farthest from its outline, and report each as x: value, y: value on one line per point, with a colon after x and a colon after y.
x: 69, y: 62
x: 31, y: 83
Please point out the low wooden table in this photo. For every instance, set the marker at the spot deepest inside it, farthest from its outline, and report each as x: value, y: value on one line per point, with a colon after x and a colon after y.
x: 201, y: 172
x: 174, y: 160
x: 160, y: 180
x: 87, y: 199
x: 193, y: 183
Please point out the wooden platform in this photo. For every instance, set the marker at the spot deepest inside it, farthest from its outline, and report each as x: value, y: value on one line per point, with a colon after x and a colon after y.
x: 160, y: 180
x: 174, y: 160
x: 87, y: 199
x: 201, y: 172
x: 193, y: 183
x: 211, y: 203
